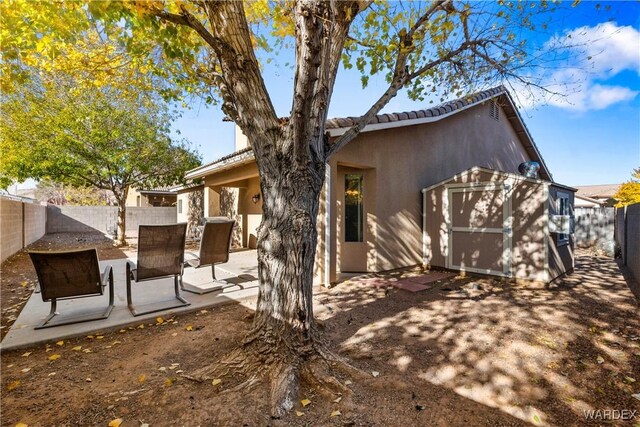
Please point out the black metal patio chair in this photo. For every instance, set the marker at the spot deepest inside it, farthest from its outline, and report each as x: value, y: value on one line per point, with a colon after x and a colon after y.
x: 70, y: 275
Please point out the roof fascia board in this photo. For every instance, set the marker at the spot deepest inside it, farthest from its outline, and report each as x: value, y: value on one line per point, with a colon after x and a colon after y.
x: 194, y: 174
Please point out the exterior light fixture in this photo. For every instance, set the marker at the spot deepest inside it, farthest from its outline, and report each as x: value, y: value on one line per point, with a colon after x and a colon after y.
x: 256, y: 198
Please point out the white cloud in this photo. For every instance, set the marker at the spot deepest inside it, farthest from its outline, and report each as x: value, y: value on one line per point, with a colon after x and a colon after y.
x: 595, y: 55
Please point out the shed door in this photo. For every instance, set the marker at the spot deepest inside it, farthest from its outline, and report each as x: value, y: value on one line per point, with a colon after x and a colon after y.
x: 479, y: 227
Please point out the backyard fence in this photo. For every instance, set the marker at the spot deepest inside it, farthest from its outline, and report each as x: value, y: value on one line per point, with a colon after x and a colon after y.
x: 104, y: 219
x: 21, y: 223
x: 627, y: 236
x: 594, y: 227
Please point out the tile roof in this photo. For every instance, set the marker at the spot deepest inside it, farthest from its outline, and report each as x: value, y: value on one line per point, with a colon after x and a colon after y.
x: 438, y: 110
x: 599, y: 191
x: 435, y: 112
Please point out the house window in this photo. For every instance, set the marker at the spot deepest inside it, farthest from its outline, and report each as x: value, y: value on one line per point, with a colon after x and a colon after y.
x: 562, y: 205
x: 179, y: 206
x: 353, y: 209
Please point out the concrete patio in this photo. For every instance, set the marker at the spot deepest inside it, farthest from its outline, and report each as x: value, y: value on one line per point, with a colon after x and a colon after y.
x: 241, y: 270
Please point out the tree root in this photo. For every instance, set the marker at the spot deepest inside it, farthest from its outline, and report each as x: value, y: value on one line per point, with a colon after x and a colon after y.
x: 286, y: 369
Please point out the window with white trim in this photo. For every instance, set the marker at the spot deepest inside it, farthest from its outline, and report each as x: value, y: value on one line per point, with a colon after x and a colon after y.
x: 563, y: 209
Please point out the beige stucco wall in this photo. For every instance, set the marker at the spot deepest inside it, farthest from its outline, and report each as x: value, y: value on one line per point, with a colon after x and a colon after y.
x: 132, y: 198
x: 407, y: 159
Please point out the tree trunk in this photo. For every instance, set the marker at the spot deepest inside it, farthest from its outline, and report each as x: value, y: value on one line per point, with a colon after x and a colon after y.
x: 122, y: 217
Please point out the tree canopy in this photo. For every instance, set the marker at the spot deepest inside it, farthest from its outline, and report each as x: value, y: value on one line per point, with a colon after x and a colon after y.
x: 629, y: 192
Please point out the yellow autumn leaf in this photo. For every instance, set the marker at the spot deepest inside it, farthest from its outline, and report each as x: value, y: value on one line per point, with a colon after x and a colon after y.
x: 305, y: 402
x: 175, y: 334
x: 87, y: 350
x: 60, y: 343
x: 90, y: 337
x: 337, y: 400
x: 216, y: 381
x: 189, y: 328
x: 22, y: 425
x: 141, y: 326
x: 122, y: 331
x: 54, y: 357
x: 27, y: 354
x: 336, y: 413
x: 168, y: 382
x: 77, y: 348
x: 299, y: 414
x: 99, y: 337
x: 13, y: 385
x: 159, y: 320
x: 23, y: 284
x: 115, y: 423
x: 142, y: 378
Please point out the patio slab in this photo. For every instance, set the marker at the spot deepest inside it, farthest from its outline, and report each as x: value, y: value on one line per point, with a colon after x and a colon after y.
x: 241, y: 269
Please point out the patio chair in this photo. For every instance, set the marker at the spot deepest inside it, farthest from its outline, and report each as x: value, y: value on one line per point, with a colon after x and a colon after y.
x: 160, y: 255
x: 214, y: 249
x: 70, y: 275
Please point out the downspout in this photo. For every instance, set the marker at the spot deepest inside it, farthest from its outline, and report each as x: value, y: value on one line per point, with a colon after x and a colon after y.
x: 327, y: 226
x: 424, y: 228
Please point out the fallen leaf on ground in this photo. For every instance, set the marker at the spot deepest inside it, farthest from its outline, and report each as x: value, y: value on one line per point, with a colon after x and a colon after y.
x: 536, y: 419
x: 216, y: 381
x: 348, y: 382
x: 77, y: 348
x: 168, y: 382
x: 375, y: 374
x: 637, y: 396
x: 600, y: 360
x: 99, y: 337
x: 122, y: 331
x: 336, y: 413
x: 54, y: 357
x: 23, y: 284
x: 337, y: 400
x: 189, y: 328
x: 141, y: 326
x: 305, y: 402
x: 60, y: 343
x: 115, y: 423
x: 88, y: 380
x: 90, y: 337
x: 22, y: 425
x: 630, y: 380
x: 175, y: 334
x: 13, y: 385
x: 159, y: 320
x: 27, y: 354
x: 25, y: 370
x: 142, y: 378
x: 162, y: 368
x: 86, y: 350
x: 299, y: 414
x: 51, y: 374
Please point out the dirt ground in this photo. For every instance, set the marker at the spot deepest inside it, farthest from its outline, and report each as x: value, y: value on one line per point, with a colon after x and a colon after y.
x: 466, y: 352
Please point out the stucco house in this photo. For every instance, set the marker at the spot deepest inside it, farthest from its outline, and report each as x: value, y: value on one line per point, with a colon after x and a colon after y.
x: 372, y: 211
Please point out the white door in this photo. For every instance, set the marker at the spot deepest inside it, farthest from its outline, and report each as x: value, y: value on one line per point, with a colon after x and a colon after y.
x: 479, y: 228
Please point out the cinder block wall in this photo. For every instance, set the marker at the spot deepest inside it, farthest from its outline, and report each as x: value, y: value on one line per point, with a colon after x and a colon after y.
x: 35, y: 222
x: 10, y: 227
x: 104, y: 219
x: 20, y: 225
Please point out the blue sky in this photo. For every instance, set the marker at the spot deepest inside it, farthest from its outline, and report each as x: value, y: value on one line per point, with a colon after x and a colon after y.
x: 590, y: 137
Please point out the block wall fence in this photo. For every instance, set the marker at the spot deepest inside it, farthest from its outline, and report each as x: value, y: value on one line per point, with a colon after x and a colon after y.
x: 22, y: 223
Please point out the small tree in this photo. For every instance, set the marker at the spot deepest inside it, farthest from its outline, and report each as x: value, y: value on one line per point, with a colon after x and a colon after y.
x: 105, y: 138
x: 629, y: 192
